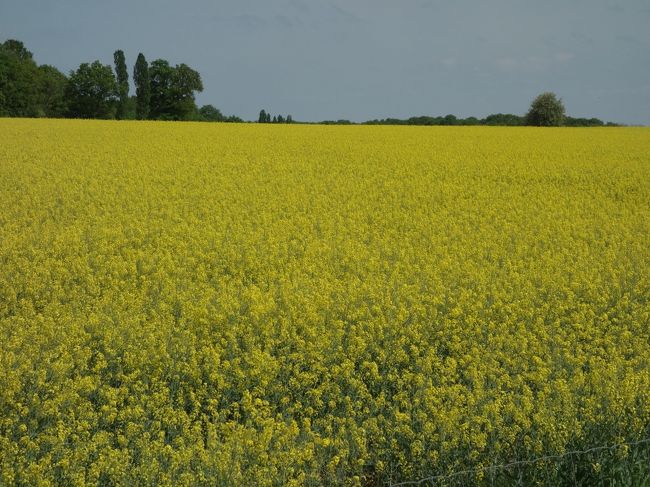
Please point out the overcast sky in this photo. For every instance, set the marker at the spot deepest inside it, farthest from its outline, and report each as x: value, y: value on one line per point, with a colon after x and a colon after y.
x: 365, y: 59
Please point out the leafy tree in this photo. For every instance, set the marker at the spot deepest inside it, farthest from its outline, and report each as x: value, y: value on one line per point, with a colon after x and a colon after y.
x: 18, y: 81
x: 546, y: 110
x: 234, y: 119
x: 280, y: 119
x: 262, y: 118
x: 209, y: 113
x: 92, y: 91
x: 268, y: 118
x: 503, y: 119
x: 289, y: 119
x: 449, y: 120
x: 186, y: 81
x: 28, y: 90
x: 142, y: 87
x: 122, y: 77
x: 275, y: 119
x: 469, y: 121
x: 52, y: 92
x: 172, y: 90
x: 18, y: 49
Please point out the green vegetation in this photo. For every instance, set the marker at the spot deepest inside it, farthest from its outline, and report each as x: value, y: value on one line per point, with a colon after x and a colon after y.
x: 547, y: 110
x: 92, y: 92
x: 142, y: 88
x: 165, y: 92
x: 266, y: 118
x: 95, y: 90
x: 122, y: 78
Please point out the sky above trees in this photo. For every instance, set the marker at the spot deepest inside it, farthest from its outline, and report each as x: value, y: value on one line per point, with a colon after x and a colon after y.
x: 366, y: 59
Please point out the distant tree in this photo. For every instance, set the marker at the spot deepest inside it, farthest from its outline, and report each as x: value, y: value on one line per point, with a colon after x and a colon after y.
x: 337, y: 122
x: 449, y: 120
x: 503, y: 119
x: 275, y: 119
x: 186, y: 81
x: 172, y: 90
x: 92, y: 91
x: 289, y: 119
x: 268, y: 118
x: 142, y: 87
x: 280, y: 119
x: 422, y: 120
x: 209, y: 113
x: 18, y: 49
x: 122, y: 77
x: 546, y: 110
x: 52, y: 92
x: 583, y: 122
x: 19, y: 76
x: 161, y: 80
x: 262, y: 117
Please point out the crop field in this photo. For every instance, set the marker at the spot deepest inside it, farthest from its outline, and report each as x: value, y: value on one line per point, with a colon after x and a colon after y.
x: 212, y: 304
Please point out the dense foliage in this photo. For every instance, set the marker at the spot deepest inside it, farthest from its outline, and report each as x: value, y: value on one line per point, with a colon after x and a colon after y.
x: 142, y: 87
x: 297, y: 305
x: 546, y: 110
x: 122, y: 81
x: 94, y: 90
x: 26, y: 89
x: 172, y: 91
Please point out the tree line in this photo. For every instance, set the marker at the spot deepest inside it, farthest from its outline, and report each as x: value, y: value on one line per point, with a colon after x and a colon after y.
x: 96, y: 90
x: 496, y: 119
x: 545, y: 110
x: 265, y: 117
x: 166, y: 92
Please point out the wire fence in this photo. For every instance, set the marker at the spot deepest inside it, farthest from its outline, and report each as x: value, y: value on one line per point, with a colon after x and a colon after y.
x: 519, y: 463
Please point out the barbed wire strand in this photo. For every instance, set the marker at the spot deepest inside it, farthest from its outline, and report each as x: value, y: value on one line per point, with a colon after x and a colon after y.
x: 519, y: 462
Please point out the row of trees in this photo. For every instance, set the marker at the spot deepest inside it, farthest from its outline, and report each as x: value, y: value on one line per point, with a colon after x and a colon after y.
x: 545, y: 110
x: 166, y: 92
x: 266, y: 118
x: 495, y: 119
x: 96, y: 90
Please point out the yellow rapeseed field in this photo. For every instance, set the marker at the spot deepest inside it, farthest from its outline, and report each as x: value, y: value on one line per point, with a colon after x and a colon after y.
x: 212, y: 304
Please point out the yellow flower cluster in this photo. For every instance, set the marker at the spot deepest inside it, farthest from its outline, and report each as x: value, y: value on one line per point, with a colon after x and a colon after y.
x: 212, y: 304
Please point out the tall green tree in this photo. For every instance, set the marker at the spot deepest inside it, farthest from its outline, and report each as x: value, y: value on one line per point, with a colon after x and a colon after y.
x: 546, y: 110
x: 122, y: 78
x: 52, y: 92
x: 142, y: 87
x: 18, y: 81
x: 262, y: 117
x: 92, y: 91
x: 172, y: 91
